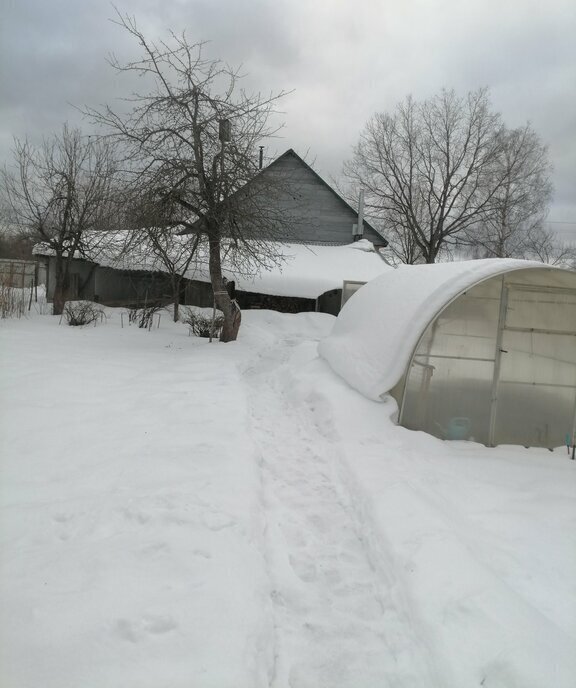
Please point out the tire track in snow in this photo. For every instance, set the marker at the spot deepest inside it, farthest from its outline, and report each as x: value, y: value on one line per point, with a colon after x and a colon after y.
x: 336, y: 620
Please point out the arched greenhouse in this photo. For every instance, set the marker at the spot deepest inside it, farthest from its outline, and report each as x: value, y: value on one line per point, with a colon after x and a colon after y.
x: 482, y: 350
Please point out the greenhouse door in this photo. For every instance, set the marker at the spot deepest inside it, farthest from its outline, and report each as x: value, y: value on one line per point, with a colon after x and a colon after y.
x: 534, y: 389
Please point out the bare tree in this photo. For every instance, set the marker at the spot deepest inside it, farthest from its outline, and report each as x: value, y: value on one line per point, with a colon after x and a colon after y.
x: 59, y: 192
x: 174, y: 253
x: 429, y: 170
x: 514, y: 227
x: 191, y: 144
x: 545, y: 246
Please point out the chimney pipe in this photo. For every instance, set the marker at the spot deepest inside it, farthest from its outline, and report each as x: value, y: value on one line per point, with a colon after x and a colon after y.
x: 224, y: 130
x: 261, y: 158
x: 358, y: 229
x: 361, y: 213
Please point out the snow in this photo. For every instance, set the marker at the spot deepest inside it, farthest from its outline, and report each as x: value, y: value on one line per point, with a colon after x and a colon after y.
x: 303, y: 270
x: 308, y: 271
x: 177, y: 513
x: 379, y: 327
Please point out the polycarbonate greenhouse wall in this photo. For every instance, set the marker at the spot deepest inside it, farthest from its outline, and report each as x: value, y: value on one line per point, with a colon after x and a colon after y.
x: 498, y: 363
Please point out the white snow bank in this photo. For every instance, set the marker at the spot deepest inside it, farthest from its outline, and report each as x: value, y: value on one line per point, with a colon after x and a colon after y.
x: 179, y: 514
x: 378, y: 328
x: 130, y: 520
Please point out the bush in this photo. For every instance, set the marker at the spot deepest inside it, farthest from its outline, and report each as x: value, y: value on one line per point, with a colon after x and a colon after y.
x: 143, y: 316
x: 200, y: 321
x: 79, y: 313
x: 13, y: 301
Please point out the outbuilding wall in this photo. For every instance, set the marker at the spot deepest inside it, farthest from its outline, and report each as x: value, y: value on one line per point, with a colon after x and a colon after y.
x: 114, y: 287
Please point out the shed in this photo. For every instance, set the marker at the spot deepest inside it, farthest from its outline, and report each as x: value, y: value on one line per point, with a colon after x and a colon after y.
x: 305, y: 277
x: 482, y: 350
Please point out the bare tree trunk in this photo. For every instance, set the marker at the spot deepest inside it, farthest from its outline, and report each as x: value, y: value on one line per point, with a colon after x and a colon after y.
x: 229, y: 308
x: 176, y: 296
x: 230, y: 330
x: 60, y: 285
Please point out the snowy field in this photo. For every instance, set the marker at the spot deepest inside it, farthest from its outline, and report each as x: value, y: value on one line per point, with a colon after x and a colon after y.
x: 179, y: 514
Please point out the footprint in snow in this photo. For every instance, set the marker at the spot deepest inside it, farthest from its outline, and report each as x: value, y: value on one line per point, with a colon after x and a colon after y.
x: 305, y: 569
x: 217, y: 521
x: 139, y: 630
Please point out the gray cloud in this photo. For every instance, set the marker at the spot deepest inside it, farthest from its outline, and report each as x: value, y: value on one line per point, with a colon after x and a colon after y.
x: 344, y: 59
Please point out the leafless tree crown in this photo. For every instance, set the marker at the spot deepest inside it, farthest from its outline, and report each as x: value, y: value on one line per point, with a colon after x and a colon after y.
x: 58, y: 193
x: 445, y: 172
x: 182, y: 170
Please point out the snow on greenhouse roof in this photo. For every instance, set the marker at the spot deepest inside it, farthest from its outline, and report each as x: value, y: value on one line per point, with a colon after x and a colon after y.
x: 379, y: 327
x: 305, y: 271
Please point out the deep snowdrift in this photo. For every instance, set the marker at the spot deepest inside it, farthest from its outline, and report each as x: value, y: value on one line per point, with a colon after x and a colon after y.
x: 178, y: 514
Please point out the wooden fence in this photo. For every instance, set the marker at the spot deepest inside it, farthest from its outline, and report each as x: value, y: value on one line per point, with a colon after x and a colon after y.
x: 18, y: 273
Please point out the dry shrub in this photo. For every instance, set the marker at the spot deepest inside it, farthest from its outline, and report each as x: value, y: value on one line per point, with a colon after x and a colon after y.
x: 144, y: 316
x: 80, y: 313
x: 13, y: 301
x: 200, y: 321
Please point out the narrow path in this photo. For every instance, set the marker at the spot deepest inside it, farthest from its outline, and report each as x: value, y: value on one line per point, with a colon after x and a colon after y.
x: 337, y: 622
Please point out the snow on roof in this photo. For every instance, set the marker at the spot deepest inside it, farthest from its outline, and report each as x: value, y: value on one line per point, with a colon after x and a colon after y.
x: 379, y: 327
x: 305, y: 270
x: 114, y: 249
x: 309, y: 271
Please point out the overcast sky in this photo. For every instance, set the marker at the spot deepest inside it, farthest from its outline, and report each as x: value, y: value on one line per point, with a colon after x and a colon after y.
x: 343, y: 59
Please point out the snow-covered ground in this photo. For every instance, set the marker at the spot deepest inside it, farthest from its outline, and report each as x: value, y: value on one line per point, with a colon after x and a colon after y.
x: 176, y: 513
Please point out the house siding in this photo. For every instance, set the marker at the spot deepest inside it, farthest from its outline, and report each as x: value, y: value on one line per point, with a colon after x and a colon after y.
x: 115, y: 287
x: 81, y: 276
x: 319, y: 214
x: 284, y: 304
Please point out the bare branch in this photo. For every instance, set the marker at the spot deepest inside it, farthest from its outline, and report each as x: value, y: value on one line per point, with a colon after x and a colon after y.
x: 181, y: 174
x: 59, y: 192
x: 430, y: 171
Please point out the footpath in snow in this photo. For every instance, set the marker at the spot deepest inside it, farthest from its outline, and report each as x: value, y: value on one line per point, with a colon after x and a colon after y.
x: 480, y: 541
x: 178, y: 514
x: 337, y: 620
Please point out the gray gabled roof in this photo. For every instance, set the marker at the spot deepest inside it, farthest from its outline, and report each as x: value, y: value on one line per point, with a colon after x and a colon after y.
x: 277, y: 162
x: 292, y: 153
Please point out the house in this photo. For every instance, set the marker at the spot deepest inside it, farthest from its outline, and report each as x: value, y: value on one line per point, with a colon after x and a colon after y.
x: 316, y: 213
x: 315, y: 222
x: 305, y: 277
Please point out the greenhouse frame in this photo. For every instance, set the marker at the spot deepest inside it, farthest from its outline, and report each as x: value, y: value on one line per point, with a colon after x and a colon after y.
x: 477, y: 350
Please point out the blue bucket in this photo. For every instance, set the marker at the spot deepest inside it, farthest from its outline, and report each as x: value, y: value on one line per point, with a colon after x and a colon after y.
x: 458, y: 429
